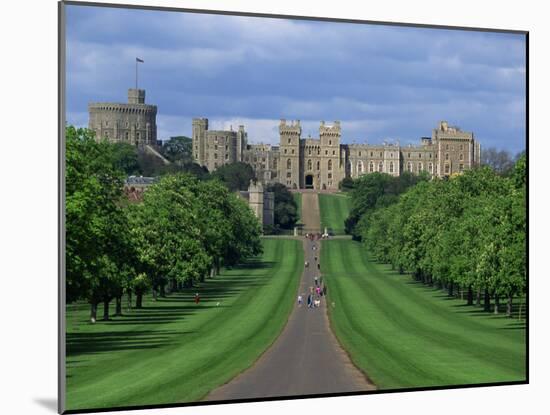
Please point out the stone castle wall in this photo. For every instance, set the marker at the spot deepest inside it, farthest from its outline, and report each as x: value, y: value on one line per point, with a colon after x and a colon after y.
x: 322, y: 163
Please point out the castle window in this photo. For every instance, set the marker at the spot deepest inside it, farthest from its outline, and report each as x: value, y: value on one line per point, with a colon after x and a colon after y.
x: 461, y: 147
x: 127, y: 124
x: 226, y: 147
x: 126, y: 135
x: 137, y: 135
x: 447, y: 147
x: 292, y: 151
x: 289, y: 140
x: 359, y: 154
x: 430, y: 155
x: 215, y: 147
x: 309, y: 165
x: 227, y: 156
x: 215, y: 165
x: 309, y: 151
x: 409, y: 167
x: 329, y: 142
x: 275, y: 163
x: 461, y: 167
x: 330, y: 164
x: 106, y: 123
x: 288, y: 174
x: 326, y: 152
x: 431, y: 168
x: 107, y: 134
x: 371, y: 154
x: 419, y: 167
x: 330, y: 175
x: 461, y: 156
x: 285, y: 150
x: 446, y: 156
x: 318, y: 165
x: 447, y: 168
x: 215, y: 155
x: 391, y: 166
x: 360, y: 167
x: 419, y: 155
x: 371, y: 167
x: 409, y: 155
x: 289, y: 164
x: 333, y: 152
x: 380, y: 167
x: 318, y: 151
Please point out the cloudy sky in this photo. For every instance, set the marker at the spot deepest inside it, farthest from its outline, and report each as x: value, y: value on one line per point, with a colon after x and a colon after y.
x: 381, y: 82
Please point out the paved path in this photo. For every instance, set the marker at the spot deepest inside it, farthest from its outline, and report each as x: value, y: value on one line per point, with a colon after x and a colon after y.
x: 306, y: 358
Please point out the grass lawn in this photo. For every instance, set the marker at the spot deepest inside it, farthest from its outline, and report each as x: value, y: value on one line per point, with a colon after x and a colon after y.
x: 298, y: 200
x: 175, y: 351
x: 334, y: 211
x: 404, y: 334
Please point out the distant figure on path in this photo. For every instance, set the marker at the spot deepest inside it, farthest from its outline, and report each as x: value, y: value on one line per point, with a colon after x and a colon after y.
x: 309, y: 301
x: 318, y: 266
x: 316, y: 281
x: 306, y: 264
x: 325, y: 290
x: 197, y: 298
x: 299, y: 300
x: 318, y: 290
x: 317, y: 303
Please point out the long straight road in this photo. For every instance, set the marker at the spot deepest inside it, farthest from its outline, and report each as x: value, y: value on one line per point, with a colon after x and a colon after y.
x: 306, y: 358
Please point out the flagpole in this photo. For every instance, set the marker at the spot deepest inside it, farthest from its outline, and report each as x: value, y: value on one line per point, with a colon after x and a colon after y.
x: 136, y: 73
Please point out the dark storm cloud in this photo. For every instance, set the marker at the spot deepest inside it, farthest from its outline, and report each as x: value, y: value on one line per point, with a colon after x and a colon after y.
x: 382, y: 82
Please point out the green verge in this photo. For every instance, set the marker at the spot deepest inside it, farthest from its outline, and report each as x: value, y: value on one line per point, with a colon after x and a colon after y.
x: 298, y: 199
x: 403, y: 334
x: 174, y: 351
x: 334, y: 209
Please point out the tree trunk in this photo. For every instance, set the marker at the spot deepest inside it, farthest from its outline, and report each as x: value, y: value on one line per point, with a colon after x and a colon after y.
x: 93, y: 313
x: 118, y: 310
x: 129, y: 300
x: 486, y: 301
x: 478, y: 297
x: 162, y: 290
x: 450, y: 288
x: 155, y: 293
x: 470, y: 295
x: 139, y: 299
x: 509, y: 305
x: 497, y: 303
x: 105, y: 310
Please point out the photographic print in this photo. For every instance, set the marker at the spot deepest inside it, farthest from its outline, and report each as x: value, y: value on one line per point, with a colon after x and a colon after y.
x: 259, y: 207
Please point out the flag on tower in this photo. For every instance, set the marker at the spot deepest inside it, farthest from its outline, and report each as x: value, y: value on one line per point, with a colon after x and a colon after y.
x: 139, y: 60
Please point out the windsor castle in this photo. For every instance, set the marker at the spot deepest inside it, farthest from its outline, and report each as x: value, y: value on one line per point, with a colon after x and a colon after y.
x: 299, y: 163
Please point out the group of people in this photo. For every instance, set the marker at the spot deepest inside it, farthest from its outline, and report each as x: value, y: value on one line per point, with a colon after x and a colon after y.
x: 317, y: 291
x: 316, y: 236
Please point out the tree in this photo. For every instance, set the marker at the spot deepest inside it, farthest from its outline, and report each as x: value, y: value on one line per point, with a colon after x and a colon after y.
x: 125, y: 158
x: 286, y: 209
x: 178, y: 149
x: 97, y: 247
x: 236, y: 176
x: 499, y: 160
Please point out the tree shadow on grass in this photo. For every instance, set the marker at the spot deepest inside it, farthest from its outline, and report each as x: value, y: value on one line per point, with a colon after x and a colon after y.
x: 111, y: 341
x: 106, y: 336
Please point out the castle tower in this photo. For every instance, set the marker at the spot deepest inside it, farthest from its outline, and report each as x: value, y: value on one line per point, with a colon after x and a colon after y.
x: 289, y: 164
x: 134, y: 122
x: 256, y: 200
x: 332, y: 168
x: 200, y: 126
x: 241, y: 142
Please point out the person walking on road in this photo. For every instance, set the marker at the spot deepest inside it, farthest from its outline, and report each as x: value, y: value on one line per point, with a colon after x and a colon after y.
x: 309, y: 301
x: 315, y: 281
x: 299, y: 300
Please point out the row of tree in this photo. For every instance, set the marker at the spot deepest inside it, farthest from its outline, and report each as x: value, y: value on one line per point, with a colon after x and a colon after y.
x: 466, y: 233
x: 183, y: 231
